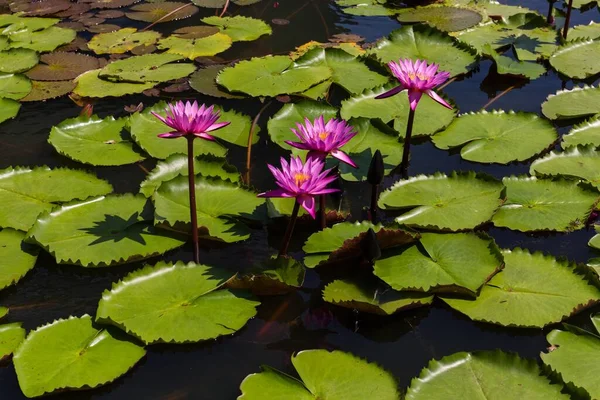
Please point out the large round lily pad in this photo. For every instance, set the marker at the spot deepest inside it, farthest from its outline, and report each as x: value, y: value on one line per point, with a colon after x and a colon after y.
x: 585, y: 133
x: 102, y: 231
x: 533, y: 290
x: 448, y: 19
x: 194, y: 48
x: 85, y: 356
x: 41, y: 41
x: 164, y: 11
x: 89, y: 84
x: 122, y: 41
x: 457, y: 202
x: 574, y: 103
x: 497, y: 137
x: 577, y: 59
x: 147, y: 68
x: 44, y: 90
x: 16, y: 258
x: 175, y: 304
x: 17, y: 60
x: 62, y: 66
x: 578, y: 162
x: 240, y: 28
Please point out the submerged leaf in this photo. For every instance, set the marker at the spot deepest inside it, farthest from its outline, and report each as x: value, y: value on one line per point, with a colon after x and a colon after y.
x: 203, y: 81
x: 278, y: 275
x: 17, y: 258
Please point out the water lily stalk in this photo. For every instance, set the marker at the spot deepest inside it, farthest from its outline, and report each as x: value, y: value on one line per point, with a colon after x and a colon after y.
x: 192, y: 190
x: 224, y: 8
x: 498, y: 96
x: 550, y: 17
x: 375, y: 177
x: 249, y: 144
x: 567, y: 20
x: 322, y: 213
x: 407, y: 138
x: 289, y: 231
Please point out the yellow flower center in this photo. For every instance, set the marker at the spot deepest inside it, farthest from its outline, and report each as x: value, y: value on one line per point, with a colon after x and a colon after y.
x: 300, y: 178
x: 412, y: 76
x: 323, y: 135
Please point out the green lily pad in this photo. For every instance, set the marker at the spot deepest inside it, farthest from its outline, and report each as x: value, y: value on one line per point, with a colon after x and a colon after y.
x: 17, y: 60
x: 177, y: 164
x: 476, y: 375
x: 122, y: 41
x: 44, y: 90
x: 26, y: 193
x: 521, y: 69
x: 372, y: 297
x: 425, y: 43
x: 217, y: 203
x: 102, y: 231
x: 14, y: 86
x: 85, y: 356
x: 164, y: 11
x: 347, y: 70
x: 590, y: 31
x: 89, y: 84
x: 95, y: 141
x: 17, y: 258
x: 12, y: 23
x: 368, y: 8
x: 578, y: 162
x: 448, y: 19
x: 42, y: 41
x: 537, y: 204
x: 585, y: 133
x: 533, y: 290
x: 147, y: 68
x: 240, y: 28
x: 430, y: 116
x: 276, y: 276
x: 175, y: 303
x: 577, y: 59
x: 497, y: 137
x: 194, y: 48
x: 271, y: 76
x: 595, y: 241
x: 457, y: 202
x: 460, y: 262
x: 3, y: 312
x: 9, y: 108
x: 574, y: 103
x: 11, y: 335
x: 203, y: 81
x: 324, y: 375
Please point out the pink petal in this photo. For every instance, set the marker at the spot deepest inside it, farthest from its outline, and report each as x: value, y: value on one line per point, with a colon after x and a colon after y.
x: 171, y: 135
x: 326, y: 191
x: 437, y: 98
x: 205, y: 136
x: 308, y: 203
x: 390, y: 93
x: 298, y: 145
x: 316, y: 155
x: 340, y: 155
x: 275, y: 193
x: 413, y: 98
x: 214, y: 127
x: 162, y: 119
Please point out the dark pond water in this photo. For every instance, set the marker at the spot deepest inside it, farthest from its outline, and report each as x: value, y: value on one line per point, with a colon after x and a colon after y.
x: 213, y: 370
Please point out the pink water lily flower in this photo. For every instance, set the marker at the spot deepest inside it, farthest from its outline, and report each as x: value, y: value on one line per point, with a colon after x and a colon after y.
x: 189, y: 119
x: 302, y: 181
x: 321, y: 139
x: 417, y: 77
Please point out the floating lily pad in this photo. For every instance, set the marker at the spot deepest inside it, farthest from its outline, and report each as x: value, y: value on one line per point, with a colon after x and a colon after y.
x: 87, y: 357
x: 448, y: 19
x: 219, y: 203
x: 575, y: 103
x: 459, y: 262
x: 110, y: 3
x: 175, y: 304
x: 147, y: 68
x: 11, y: 336
x: 369, y: 8
x: 595, y: 241
x: 8, y: 109
x: 44, y: 90
x: 276, y: 276
x: 240, y: 28
x: 122, y: 41
x: 425, y: 43
x: 194, y: 48
x: 145, y: 129
x: 17, y: 258
x: 161, y: 11
x: 271, y: 76
x: 14, y: 86
x: 89, y: 84
x: 221, y: 3
x: 521, y: 69
x: 577, y: 59
x: 324, y: 375
x: 533, y: 290
x: 17, y: 60
x: 11, y: 23
x: 25, y: 193
x: 195, y: 32
x: 203, y: 81
x: 177, y: 164
x: 497, y: 137
x: 536, y: 204
x: 102, y: 231
x: 578, y: 162
x: 95, y: 141
x: 585, y: 133
x: 456, y: 202
x: 41, y: 41
x: 475, y: 375
x: 372, y: 298
x: 62, y: 66
x: 591, y: 31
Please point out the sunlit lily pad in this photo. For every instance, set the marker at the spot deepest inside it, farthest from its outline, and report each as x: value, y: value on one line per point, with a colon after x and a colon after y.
x: 271, y: 76
x: 95, y: 141
x: 11, y: 335
x: 497, y: 137
x: 323, y: 375
x: 578, y: 162
x: 8, y: 109
x: 147, y: 68
x: 368, y: 8
x: 275, y: 276
x: 86, y: 356
x: 425, y: 43
x: 25, y: 193
x: 102, y: 231
x: 590, y: 31
x: 538, y: 204
x: 175, y: 304
x: 459, y: 262
x: 447, y: 19
x: 14, y: 86
x: 203, y: 81
x: 476, y: 375
x: 240, y: 28
x: 45, y: 40
x: 585, y: 133
x: 11, y: 23
x: 122, y: 41
x: 90, y: 85
x: 372, y: 297
x: 194, y: 48
x: 220, y: 202
x: 577, y: 59
x: 62, y: 66
x: 575, y: 103
x: 456, y: 202
x: 595, y: 241
x: 17, y: 258
x: 17, y: 60
x: 533, y: 290
x: 44, y: 90
x: 164, y: 11
x: 195, y: 32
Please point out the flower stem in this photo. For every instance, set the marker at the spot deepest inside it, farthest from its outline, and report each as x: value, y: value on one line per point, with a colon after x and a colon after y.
x: 289, y: 230
x: 322, y: 217
x: 550, y: 9
x: 567, y: 20
x: 406, y: 152
x: 249, y: 145
x: 192, y: 190
x: 373, y: 211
